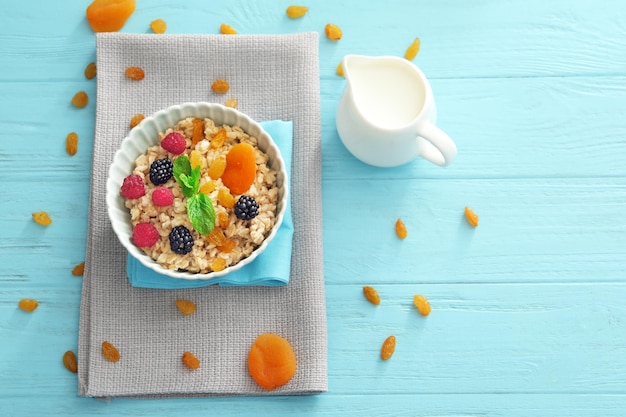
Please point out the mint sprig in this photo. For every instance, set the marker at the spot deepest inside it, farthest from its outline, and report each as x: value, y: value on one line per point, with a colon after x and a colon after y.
x: 200, y: 208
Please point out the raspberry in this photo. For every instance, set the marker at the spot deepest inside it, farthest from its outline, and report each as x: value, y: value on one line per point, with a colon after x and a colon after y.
x: 174, y: 143
x: 145, y: 235
x: 133, y: 187
x: 162, y: 197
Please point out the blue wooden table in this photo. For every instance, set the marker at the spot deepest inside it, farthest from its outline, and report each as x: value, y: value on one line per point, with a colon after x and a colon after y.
x: 528, y: 309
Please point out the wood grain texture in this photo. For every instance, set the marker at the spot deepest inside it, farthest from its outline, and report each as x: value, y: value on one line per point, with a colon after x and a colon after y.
x: 528, y: 309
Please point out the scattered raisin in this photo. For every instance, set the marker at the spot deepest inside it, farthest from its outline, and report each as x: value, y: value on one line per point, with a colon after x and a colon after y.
x: 28, y: 305
x: 80, y: 99
x: 220, y: 86
x: 231, y: 102
x: 413, y: 49
x: 135, y: 73
x: 401, y: 229
x: 136, y: 119
x: 42, y: 218
x: 71, y: 143
x: 333, y: 32
x: 91, y: 71
x: 79, y: 269
x: 388, y: 347
x: 185, y: 306
x: 110, y: 352
x: 227, y: 29
x: 295, y: 12
x: 371, y: 294
x: 69, y: 361
x: 190, y: 360
x: 340, y: 70
x: 158, y: 26
x: 472, y: 218
x: 422, y: 304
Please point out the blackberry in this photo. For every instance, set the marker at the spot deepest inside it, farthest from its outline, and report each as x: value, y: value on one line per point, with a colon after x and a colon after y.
x: 246, y: 208
x: 161, y: 171
x: 181, y: 240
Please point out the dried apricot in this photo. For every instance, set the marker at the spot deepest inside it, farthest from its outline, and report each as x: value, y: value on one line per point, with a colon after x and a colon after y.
x: 197, y: 133
x: 80, y: 99
x: 422, y: 304
x: 185, y: 306
x: 388, y: 347
x: 217, y: 167
x: 295, y: 12
x: 136, y: 119
x: 109, y: 15
x: 71, y: 143
x: 231, y: 102
x: 413, y: 49
x: 110, y: 352
x: 340, y: 70
x: 158, y: 26
x: 218, y: 264
x: 79, y: 269
x: 271, y: 361
x: 240, y: 170
x: 401, y: 229
x: 69, y: 361
x: 227, y: 29
x: 42, y: 218
x: 90, y: 70
x: 28, y: 305
x: 472, y: 218
x: 333, y: 32
x: 135, y: 73
x: 220, y: 86
x: 371, y: 294
x: 190, y: 360
x: 218, y: 140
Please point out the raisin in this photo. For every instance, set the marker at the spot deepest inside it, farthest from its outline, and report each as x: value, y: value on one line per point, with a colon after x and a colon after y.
x: 197, y: 133
x: 340, y: 70
x: 207, y: 188
x: 223, y: 220
x: 109, y: 15
x: 158, y: 26
x: 218, y: 264
x: 217, y: 237
x: 232, y: 103
x: 28, y: 305
x: 195, y: 159
x: 69, y: 361
x: 412, y: 50
x: 190, y: 360
x: 185, y: 306
x: 91, y: 71
x: 225, y: 198
x: 136, y: 119
x: 110, y: 352
x: 71, y: 143
x: 228, y: 246
x: 217, y: 167
x: 240, y: 169
x: 333, y: 32
x: 388, y: 347
x: 295, y: 12
x: 271, y: 361
x: 218, y: 140
x: 227, y: 29
x: 472, y: 218
x: 401, y: 229
x: 80, y: 99
x: 371, y: 294
x: 135, y: 73
x: 422, y: 304
x: 79, y: 269
x: 42, y: 218
x: 220, y: 86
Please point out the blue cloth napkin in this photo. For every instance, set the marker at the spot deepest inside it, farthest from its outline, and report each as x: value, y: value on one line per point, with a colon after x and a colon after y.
x: 271, y: 268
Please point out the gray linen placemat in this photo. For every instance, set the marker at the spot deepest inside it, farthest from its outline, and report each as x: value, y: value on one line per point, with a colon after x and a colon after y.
x: 273, y: 77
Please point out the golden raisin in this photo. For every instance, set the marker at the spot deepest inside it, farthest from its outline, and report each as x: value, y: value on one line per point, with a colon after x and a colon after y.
x: 472, y: 218
x: 207, y: 188
x: 295, y: 12
x: 218, y: 264
x: 227, y: 29
x: 231, y: 102
x: 217, y: 237
x: 185, y: 306
x: 135, y: 73
x: 220, y: 86
x: 218, y: 140
x: 80, y: 99
x: 413, y: 49
x: 228, y: 246
x: 42, y: 218
x: 71, y: 143
x: 371, y: 294
x: 195, y: 159
x: 110, y: 352
x: 217, y: 167
x: 340, y: 70
x: 79, y: 269
x: 136, y: 119
x: 401, y: 229
x: 197, y: 133
x: 28, y: 305
x: 109, y: 15
x: 225, y: 198
x: 223, y: 220
x: 333, y: 32
x: 91, y: 70
x: 158, y: 26
x: 190, y: 360
x: 388, y: 347
x: 422, y: 304
x: 69, y: 361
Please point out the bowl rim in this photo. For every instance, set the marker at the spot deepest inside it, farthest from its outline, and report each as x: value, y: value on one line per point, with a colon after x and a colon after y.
x: 189, y: 109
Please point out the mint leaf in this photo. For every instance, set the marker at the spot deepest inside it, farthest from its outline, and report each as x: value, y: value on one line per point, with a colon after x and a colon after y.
x: 195, y: 179
x: 181, y: 166
x: 188, y: 179
x: 201, y: 213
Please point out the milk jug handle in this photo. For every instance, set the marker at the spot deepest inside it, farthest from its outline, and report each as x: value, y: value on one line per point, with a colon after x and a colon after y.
x: 434, y: 144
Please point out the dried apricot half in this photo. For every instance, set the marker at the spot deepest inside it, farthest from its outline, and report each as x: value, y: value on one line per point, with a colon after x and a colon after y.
x: 271, y: 361
x: 240, y: 170
x: 109, y: 15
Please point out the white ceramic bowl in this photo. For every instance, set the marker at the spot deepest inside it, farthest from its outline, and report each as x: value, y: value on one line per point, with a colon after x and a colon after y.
x: 147, y: 134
